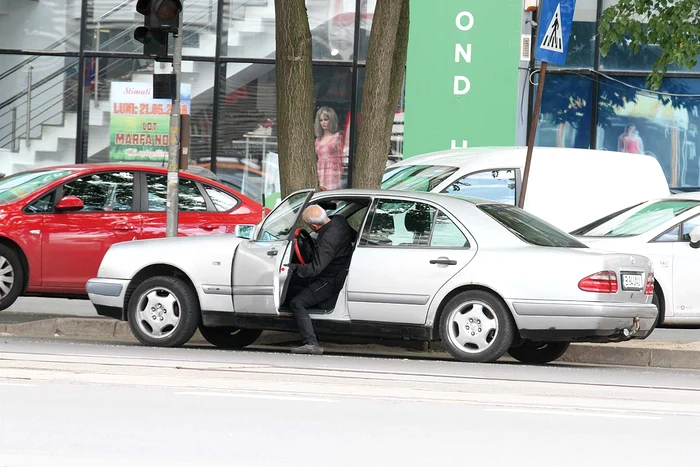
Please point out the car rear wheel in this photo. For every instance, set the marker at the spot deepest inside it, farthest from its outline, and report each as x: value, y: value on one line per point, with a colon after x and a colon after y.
x: 229, y: 337
x: 656, y: 300
x: 476, y: 327
x: 11, y: 276
x: 535, y: 353
x: 164, y: 312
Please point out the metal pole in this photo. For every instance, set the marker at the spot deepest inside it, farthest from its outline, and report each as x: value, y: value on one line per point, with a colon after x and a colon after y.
x: 97, y: 66
x: 174, y: 143
x: 14, y: 128
x: 29, y: 102
x: 533, y: 132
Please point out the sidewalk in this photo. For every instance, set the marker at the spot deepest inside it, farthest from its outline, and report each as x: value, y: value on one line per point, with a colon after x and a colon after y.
x: 646, y: 353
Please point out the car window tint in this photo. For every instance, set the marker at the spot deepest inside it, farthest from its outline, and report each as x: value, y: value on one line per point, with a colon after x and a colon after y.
x: 446, y: 234
x: 529, y: 228
x: 400, y: 223
x: 42, y: 205
x: 222, y: 201
x: 103, y: 192
x: 189, y: 197
x: 671, y: 235
x: 494, y: 185
x: 688, y: 227
x: 278, y: 224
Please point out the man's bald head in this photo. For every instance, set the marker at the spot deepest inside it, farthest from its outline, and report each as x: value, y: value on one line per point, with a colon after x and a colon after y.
x: 315, y: 215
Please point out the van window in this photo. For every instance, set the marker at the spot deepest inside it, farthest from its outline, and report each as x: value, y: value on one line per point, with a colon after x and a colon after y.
x: 529, y: 228
x: 494, y: 185
x: 416, y: 177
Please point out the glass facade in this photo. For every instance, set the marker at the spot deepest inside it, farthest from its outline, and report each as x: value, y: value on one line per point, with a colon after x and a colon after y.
x: 603, y: 103
x: 71, y: 73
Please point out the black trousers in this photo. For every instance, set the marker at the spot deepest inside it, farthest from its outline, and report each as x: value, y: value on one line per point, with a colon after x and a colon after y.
x: 308, y: 295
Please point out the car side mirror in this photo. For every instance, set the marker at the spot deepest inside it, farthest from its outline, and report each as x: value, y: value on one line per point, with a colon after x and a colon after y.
x: 244, y: 231
x: 695, y: 238
x: 70, y: 204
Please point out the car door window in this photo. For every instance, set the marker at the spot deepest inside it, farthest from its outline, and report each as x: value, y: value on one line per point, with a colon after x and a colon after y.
x: 190, y: 199
x: 446, y: 234
x: 494, y: 185
x: 688, y: 227
x: 42, y: 205
x: 400, y: 223
x: 103, y: 192
x: 222, y: 201
x: 671, y: 235
x: 278, y: 225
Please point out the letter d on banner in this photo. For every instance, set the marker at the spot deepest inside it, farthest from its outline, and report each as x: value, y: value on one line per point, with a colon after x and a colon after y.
x: 465, y: 85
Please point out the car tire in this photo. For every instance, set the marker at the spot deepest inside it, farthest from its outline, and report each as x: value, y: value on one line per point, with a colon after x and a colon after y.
x: 229, y: 337
x: 659, y: 321
x: 164, y: 312
x: 476, y: 326
x: 11, y: 277
x: 538, y: 353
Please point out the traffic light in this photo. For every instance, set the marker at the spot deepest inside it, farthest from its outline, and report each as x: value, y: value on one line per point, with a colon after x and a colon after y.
x: 161, y: 18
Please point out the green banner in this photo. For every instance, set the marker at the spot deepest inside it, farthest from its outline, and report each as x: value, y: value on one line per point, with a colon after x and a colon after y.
x: 462, y: 74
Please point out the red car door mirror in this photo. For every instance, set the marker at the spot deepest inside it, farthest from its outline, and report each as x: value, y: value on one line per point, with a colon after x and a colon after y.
x: 69, y: 204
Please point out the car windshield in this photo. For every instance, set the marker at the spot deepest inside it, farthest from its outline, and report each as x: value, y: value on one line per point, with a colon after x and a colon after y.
x: 416, y: 177
x: 641, y: 220
x: 20, y: 185
x: 529, y: 228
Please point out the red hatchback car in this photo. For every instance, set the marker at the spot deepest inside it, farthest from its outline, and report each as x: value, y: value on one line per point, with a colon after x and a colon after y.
x: 56, y: 223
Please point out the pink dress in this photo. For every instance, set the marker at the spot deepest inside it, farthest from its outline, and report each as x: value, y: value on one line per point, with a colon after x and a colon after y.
x: 329, y: 163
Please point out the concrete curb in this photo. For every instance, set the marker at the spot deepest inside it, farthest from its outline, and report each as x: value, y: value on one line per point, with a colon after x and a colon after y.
x: 634, y: 353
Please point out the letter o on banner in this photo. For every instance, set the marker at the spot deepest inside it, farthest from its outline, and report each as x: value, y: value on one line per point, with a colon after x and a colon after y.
x: 461, y: 26
x: 465, y: 85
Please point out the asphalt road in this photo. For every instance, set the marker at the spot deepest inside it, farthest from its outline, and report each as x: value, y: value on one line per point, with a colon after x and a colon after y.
x: 51, y: 308
x: 75, y: 404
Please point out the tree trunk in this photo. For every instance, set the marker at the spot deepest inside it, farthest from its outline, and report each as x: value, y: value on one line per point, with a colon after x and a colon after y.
x: 295, y: 97
x: 384, y: 75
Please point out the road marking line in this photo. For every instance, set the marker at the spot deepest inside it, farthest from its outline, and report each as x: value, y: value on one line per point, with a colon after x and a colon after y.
x: 255, y: 396
x: 575, y: 413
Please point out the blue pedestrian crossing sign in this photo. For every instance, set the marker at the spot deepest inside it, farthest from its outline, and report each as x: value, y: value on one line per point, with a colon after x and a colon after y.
x: 556, y: 18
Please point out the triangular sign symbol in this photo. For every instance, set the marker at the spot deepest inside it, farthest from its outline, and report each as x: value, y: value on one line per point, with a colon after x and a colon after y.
x: 553, y: 37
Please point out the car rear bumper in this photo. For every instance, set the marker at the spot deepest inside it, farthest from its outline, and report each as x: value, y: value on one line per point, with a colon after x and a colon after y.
x: 583, y: 321
x: 107, y: 295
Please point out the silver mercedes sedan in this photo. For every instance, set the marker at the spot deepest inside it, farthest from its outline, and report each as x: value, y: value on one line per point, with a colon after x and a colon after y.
x: 482, y: 277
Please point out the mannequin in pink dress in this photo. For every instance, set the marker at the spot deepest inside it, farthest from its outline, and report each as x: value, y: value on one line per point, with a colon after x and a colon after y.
x: 329, y: 149
x: 630, y: 141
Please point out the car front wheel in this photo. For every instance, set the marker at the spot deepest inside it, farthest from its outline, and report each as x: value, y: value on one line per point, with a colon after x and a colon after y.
x: 164, y: 312
x: 538, y: 352
x: 229, y: 337
x: 476, y: 327
x: 11, y: 277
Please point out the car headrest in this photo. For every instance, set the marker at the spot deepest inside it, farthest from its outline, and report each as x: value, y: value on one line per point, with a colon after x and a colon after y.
x: 418, y: 220
x: 383, y: 224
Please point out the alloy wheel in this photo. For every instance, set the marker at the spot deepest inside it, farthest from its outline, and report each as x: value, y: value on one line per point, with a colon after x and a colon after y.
x: 7, y: 277
x: 158, y: 312
x: 473, y: 327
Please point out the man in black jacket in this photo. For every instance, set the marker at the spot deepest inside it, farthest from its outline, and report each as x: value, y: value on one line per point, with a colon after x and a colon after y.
x: 325, y: 274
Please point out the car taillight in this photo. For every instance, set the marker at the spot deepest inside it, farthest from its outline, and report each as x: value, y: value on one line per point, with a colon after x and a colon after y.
x: 600, y: 282
x: 649, y: 289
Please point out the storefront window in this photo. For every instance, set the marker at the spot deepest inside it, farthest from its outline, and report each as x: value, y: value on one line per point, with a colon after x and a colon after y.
x: 565, y: 118
x: 659, y: 125
x: 40, y: 25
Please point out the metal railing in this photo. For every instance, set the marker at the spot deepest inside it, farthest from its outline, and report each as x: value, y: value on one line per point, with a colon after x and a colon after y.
x: 35, y: 117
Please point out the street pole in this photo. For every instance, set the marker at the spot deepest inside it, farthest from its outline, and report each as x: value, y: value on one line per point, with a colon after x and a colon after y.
x: 533, y: 132
x: 171, y: 214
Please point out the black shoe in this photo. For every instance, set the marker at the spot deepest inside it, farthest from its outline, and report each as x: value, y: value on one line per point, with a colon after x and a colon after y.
x: 313, y: 349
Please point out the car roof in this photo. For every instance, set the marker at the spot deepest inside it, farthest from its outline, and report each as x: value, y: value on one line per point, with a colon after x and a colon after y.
x: 439, y: 198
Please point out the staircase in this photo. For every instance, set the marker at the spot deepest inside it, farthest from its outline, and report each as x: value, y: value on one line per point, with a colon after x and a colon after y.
x: 53, y: 96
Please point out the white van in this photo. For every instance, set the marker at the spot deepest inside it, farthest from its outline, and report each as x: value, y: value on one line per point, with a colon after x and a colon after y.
x: 568, y: 188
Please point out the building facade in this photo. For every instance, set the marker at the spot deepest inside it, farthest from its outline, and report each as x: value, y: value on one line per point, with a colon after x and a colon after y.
x: 71, y: 75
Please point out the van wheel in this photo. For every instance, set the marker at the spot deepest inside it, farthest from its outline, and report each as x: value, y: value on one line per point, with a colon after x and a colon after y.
x: 11, y: 276
x: 164, y: 312
x: 476, y: 327
x: 229, y: 337
x: 537, y: 353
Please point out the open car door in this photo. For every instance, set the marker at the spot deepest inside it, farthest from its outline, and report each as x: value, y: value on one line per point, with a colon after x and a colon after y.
x: 257, y: 280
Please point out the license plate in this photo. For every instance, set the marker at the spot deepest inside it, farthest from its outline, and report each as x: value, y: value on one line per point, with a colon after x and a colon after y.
x: 632, y: 282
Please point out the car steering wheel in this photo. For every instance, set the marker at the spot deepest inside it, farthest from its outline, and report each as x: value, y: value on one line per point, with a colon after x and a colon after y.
x: 304, y: 246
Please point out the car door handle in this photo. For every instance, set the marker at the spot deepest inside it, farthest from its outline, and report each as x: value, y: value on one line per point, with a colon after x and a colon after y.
x: 448, y: 262
x: 124, y: 227
x: 208, y: 226
x: 272, y: 253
